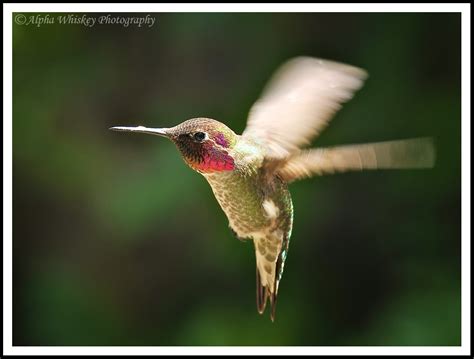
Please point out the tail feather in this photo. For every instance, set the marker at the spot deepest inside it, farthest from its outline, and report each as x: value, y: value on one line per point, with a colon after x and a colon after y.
x: 270, y: 264
x: 267, y: 284
x: 273, y: 303
x: 262, y: 294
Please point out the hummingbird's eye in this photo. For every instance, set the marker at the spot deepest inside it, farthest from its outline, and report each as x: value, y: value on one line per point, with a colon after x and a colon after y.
x: 199, y: 136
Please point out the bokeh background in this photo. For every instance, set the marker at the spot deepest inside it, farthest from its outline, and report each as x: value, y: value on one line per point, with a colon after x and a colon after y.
x: 117, y: 242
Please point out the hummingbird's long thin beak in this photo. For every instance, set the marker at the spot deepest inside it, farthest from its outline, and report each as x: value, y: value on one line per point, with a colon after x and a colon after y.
x: 140, y: 129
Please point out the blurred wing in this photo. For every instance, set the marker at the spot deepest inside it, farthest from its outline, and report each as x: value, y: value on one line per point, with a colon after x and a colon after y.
x: 411, y: 153
x: 299, y: 101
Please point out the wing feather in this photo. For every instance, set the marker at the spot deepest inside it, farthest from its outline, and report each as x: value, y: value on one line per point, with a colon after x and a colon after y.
x: 410, y: 153
x: 299, y: 101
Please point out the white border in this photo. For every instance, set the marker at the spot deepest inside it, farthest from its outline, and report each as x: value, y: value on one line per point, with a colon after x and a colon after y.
x: 236, y: 7
x: 466, y: 178
x: 8, y: 9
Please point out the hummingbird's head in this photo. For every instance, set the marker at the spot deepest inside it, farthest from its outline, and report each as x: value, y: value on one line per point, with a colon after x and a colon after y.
x: 204, y: 143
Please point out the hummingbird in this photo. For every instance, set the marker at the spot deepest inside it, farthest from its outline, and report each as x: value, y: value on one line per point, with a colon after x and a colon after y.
x: 249, y: 173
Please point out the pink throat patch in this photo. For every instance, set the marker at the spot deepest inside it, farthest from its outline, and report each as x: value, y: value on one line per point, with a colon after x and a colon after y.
x: 216, y: 162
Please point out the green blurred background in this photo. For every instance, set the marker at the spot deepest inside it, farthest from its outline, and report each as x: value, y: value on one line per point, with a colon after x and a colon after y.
x: 117, y: 242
